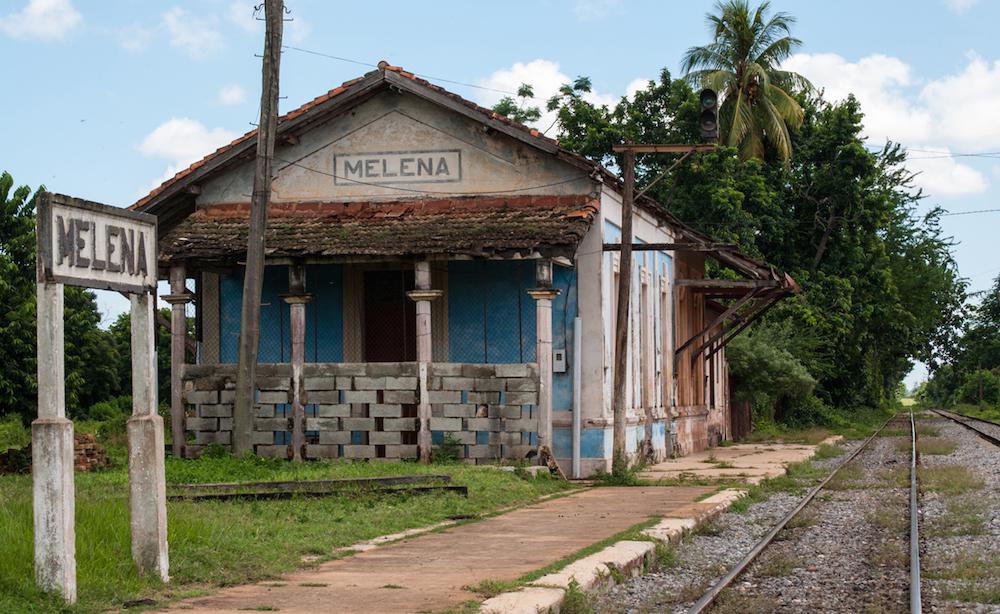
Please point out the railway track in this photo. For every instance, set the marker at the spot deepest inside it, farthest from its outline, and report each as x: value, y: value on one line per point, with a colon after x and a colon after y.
x: 990, y: 431
x: 707, y: 600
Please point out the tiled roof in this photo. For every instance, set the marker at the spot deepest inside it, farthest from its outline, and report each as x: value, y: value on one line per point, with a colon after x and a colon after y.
x: 474, y: 226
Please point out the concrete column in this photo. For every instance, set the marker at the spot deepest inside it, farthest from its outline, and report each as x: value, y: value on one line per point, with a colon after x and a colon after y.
x: 178, y: 298
x: 543, y: 295
x: 147, y: 484
x: 423, y: 295
x: 52, y: 455
x: 297, y: 299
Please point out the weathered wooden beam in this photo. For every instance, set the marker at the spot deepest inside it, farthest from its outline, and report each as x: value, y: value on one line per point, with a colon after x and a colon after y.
x: 666, y: 247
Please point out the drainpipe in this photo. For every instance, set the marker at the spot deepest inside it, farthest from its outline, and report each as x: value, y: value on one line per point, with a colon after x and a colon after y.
x: 577, y: 393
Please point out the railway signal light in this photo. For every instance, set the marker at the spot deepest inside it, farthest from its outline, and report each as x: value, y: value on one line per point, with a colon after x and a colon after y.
x: 708, y: 119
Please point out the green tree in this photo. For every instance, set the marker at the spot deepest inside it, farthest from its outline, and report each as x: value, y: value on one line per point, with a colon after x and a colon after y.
x: 519, y: 110
x: 742, y: 64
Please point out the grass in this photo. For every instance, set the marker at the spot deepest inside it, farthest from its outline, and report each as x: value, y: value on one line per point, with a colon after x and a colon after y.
x: 965, y: 516
x: 778, y: 564
x: 971, y: 578
x: 848, y: 478
x: 777, y: 433
x: 928, y: 445
x: 825, y: 451
x: 13, y: 434
x: 221, y: 543
x: 798, y: 477
x: 950, y: 480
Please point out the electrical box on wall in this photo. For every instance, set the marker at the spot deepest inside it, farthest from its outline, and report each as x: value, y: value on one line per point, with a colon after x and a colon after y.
x: 558, y: 360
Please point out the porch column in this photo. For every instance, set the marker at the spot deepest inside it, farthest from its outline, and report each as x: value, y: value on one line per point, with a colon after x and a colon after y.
x: 297, y: 299
x: 423, y: 295
x: 543, y: 296
x: 178, y: 299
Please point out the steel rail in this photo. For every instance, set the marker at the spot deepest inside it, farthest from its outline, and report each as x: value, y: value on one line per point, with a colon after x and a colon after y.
x: 915, y: 607
x: 709, y: 597
x: 951, y: 416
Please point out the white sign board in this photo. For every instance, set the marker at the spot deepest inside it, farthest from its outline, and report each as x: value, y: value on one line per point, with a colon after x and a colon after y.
x: 82, y: 243
x: 441, y: 166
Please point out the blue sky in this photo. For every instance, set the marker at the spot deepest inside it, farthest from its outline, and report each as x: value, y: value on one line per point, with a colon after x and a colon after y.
x: 104, y: 98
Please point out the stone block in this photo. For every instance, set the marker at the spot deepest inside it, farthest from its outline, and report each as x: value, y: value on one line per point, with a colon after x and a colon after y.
x: 402, y: 451
x: 322, y: 424
x: 369, y: 383
x: 482, y: 424
x: 510, y: 412
x: 400, y: 383
x: 360, y: 396
x: 325, y: 397
x: 202, y: 424
x: 385, y: 410
x: 522, y: 384
x: 359, y: 451
x: 490, y: 384
x: 511, y: 370
x: 320, y: 383
x: 406, y: 397
x: 357, y: 424
x: 399, y: 424
x: 215, y: 411
x: 469, y: 370
x: 278, y: 397
x: 457, y: 383
x: 334, y: 437
x: 524, y: 425
x: 444, y: 396
x: 202, y: 397
x: 521, y: 398
x: 482, y: 451
x: 458, y: 411
x: 272, y: 424
x: 263, y: 411
x: 443, y: 369
x: 382, y: 438
x: 225, y: 424
x: 322, y: 451
x: 446, y: 424
x: 490, y: 398
x: 204, y: 438
x: 227, y: 396
x: 340, y: 410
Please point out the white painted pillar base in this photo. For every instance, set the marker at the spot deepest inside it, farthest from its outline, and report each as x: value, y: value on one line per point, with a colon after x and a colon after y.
x: 54, y: 507
x: 543, y: 338
x: 422, y: 296
x: 147, y: 495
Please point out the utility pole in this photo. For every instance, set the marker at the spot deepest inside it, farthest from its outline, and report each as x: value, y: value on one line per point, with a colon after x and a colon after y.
x: 619, y: 462
x: 253, y: 277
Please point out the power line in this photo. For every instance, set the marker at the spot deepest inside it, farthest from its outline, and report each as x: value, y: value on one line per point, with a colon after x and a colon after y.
x: 971, y: 212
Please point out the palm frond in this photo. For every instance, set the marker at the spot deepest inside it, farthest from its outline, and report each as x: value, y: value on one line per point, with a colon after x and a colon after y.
x: 775, y: 130
x: 786, y: 106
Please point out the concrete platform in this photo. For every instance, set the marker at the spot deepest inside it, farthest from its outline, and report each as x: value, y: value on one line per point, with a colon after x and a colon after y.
x: 750, y: 463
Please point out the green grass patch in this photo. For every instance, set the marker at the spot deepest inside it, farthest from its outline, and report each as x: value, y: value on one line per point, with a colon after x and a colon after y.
x: 965, y: 516
x: 13, y: 434
x: 930, y: 445
x: 848, y: 478
x: 948, y: 479
x: 221, y: 543
x: 825, y: 451
x: 972, y: 578
x: 797, y: 479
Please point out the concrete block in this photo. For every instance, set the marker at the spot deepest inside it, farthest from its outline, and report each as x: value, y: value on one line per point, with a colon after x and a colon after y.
x: 464, y: 437
x: 225, y: 424
x: 274, y: 383
x: 511, y: 370
x: 483, y: 451
x: 320, y: 383
x: 360, y: 396
x: 322, y: 424
x: 490, y: 384
x: 227, y: 396
x: 444, y: 369
x: 523, y: 425
x: 507, y: 439
x: 531, y: 600
x: 591, y: 572
x: 369, y: 383
x: 359, y: 451
x: 385, y: 410
x: 457, y: 383
x: 399, y: 424
x: 202, y: 424
x: 446, y: 424
x: 350, y: 368
x: 444, y: 396
x: 341, y: 410
x: 272, y: 451
x: 262, y: 437
x: 520, y: 451
x: 522, y: 384
x: 147, y: 495
x: 395, y: 369
x: 322, y: 451
x: 334, y: 437
x: 200, y: 397
x: 357, y: 424
x: 490, y: 398
x: 482, y: 424
x: 522, y: 398
x: 344, y: 382
x: 510, y: 412
x: 204, y: 438
x: 272, y: 424
x: 277, y: 397
x: 403, y: 451
x: 400, y: 383
x: 458, y: 411
x: 470, y: 370
x: 382, y: 438
x: 215, y: 411
x: 263, y: 411
x: 406, y: 397
x: 325, y: 397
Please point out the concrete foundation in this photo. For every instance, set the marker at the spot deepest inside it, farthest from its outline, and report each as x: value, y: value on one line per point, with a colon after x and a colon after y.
x: 54, y: 508
x: 147, y: 495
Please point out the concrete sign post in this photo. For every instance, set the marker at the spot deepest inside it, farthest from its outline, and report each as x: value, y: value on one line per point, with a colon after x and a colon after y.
x: 91, y: 245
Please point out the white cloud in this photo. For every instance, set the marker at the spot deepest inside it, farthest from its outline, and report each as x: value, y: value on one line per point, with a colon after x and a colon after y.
x: 636, y: 85
x: 297, y: 30
x: 593, y: 10
x: 242, y: 13
x: 948, y: 114
x: 545, y: 77
x: 46, y: 20
x: 196, y: 37
x: 181, y: 141
x: 232, y: 95
x: 134, y: 38
x: 961, y: 6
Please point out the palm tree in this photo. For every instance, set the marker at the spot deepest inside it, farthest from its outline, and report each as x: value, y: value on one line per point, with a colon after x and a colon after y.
x: 743, y: 64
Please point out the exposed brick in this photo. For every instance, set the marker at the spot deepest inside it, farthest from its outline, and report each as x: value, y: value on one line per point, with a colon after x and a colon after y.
x: 400, y: 383
x: 320, y: 383
x: 334, y: 411
x: 278, y: 397
x: 458, y: 411
x: 403, y: 451
x: 271, y: 424
x: 511, y: 370
x: 381, y: 438
x: 360, y: 396
x: 457, y: 383
x: 322, y: 424
x: 215, y: 411
x: 399, y: 424
x: 369, y: 383
x: 359, y: 451
x: 334, y: 437
x: 526, y: 425
x: 490, y: 398
x: 490, y: 384
x: 444, y: 396
x: 322, y: 451
x: 521, y: 398
x: 357, y: 424
x: 385, y: 410
x: 441, y: 369
x: 482, y: 424
x: 200, y: 397
x: 406, y: 397
x: 446, y: 424
x: 477, y: 370
x: 522, y: 384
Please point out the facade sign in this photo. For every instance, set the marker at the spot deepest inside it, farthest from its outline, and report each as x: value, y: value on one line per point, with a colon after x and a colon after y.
x: 87, y: 244
x: 441, y: 166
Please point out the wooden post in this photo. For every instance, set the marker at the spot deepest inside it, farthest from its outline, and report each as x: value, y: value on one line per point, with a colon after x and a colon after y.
x: 423, y: 295
x: 297, y: 299
x: 52, y: 455
x: 254, y: 275
x: 178, y: 299
x: 619, y: 463
x: 147, y: 481
x: 543, y: 295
